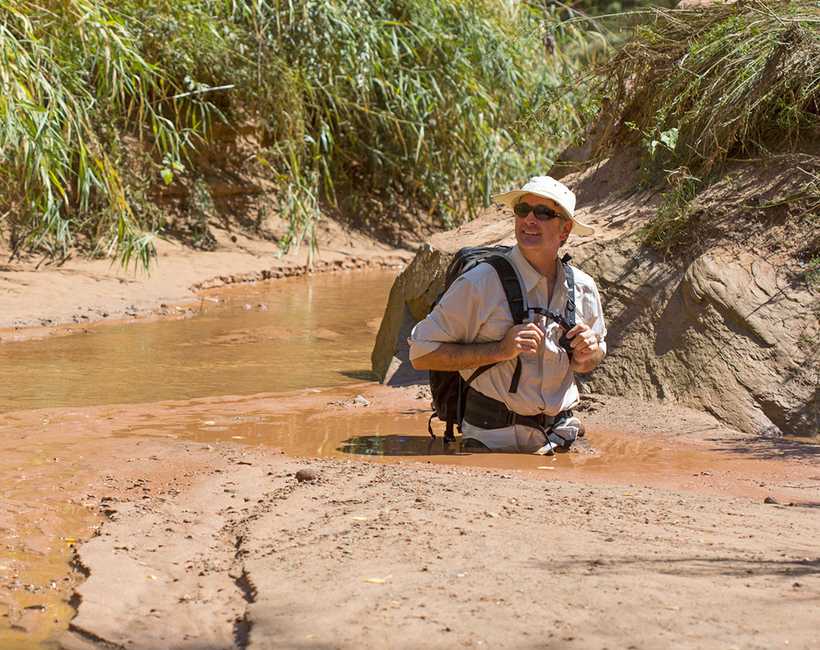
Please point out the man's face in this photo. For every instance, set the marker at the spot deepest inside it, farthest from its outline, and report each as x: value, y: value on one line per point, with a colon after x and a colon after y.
x: 541, y: 235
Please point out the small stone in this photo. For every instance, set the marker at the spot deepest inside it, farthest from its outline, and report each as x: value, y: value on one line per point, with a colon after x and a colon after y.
x: 771, y: 500
x: 307, y: 474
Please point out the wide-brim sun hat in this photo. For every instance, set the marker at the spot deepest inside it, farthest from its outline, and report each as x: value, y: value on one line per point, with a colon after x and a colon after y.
x: 548, y: 188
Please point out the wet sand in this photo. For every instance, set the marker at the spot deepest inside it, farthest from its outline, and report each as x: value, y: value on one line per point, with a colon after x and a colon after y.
x: 189, y: 535
x: 186, y: 525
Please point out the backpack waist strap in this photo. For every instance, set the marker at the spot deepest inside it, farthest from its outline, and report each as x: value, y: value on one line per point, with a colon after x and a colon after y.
x: 488, y: 413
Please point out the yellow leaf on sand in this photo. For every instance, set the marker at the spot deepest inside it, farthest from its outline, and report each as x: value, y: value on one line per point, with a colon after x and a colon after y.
x: 153, y: 577
x: 237, y: 437
x: 674, y: 608
x: 311, y: 636
x: 378, y: 581
x: 359, y: 518
x: 545, y: 467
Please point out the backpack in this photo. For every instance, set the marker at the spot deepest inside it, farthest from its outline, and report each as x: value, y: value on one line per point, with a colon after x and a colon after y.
x: 448, y: 387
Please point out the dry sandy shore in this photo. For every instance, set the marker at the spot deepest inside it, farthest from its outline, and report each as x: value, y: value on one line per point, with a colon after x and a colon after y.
x: 182, y: 544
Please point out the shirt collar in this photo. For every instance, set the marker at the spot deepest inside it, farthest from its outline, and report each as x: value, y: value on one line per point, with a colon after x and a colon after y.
x: 529, y: 276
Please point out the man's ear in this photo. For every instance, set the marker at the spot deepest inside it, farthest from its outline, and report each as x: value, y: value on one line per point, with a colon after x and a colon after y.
x: 567, y: 229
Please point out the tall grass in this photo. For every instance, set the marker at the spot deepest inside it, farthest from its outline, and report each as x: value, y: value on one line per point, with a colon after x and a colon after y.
x: 372, y: 106
x: 699, y: 87
x: 412, y: 102
x: 71, y: 74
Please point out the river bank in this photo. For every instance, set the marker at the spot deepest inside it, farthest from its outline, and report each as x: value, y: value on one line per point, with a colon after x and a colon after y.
x: 41, y: 297
x: 188, y: 543
x: 164, y: 525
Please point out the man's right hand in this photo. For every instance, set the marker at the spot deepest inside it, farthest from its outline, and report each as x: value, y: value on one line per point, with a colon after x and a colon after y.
x: 521, y: 339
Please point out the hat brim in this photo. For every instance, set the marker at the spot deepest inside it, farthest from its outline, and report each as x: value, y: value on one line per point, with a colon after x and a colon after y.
x: 511, y: 198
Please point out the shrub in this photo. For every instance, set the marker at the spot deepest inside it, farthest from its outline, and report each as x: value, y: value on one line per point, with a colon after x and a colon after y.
x: 696, y: 88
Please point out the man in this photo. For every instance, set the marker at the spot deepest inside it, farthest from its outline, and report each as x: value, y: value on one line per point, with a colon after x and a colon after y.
x: 472, y: 326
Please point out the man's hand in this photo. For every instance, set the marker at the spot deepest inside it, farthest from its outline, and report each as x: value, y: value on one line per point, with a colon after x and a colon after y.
x: 521, y: 339
x: 586, y: 353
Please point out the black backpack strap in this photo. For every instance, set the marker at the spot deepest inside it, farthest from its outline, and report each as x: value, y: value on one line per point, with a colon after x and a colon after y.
x: 448, y: 434
x: 454, y: 418
x: 569, y: 309
x: 515, y: 299
x: 516, y: 375
x: 511, y: 284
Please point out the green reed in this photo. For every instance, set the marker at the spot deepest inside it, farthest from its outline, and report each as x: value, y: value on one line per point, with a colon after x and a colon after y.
x: 72, y: 73
x: 373, y: 108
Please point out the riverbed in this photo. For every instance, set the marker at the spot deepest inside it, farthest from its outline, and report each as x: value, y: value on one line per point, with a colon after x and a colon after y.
x: 137, y: 411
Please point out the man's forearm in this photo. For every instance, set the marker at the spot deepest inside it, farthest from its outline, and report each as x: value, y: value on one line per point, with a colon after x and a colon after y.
x: 588, y: 364
x: 458, y: 356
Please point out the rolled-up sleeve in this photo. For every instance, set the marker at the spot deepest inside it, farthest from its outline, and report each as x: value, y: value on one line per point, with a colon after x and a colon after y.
x: 469, y: 311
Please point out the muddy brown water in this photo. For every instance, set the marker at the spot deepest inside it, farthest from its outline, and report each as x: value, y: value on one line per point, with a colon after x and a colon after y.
x: 264, y: 338
x: 269, y: 337
x: 300, y: 334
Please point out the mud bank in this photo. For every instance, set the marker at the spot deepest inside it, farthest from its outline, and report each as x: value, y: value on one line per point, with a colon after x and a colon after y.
x: 220, y: 544
x: 41, y: 299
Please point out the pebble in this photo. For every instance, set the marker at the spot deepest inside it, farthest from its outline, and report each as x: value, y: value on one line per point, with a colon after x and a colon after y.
x: 307, y: 474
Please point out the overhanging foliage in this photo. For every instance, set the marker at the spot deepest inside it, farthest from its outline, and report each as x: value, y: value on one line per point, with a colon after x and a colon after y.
x: 417, y: 103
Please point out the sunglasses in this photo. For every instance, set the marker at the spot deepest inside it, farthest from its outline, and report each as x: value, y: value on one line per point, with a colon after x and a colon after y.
x: 542, y: 212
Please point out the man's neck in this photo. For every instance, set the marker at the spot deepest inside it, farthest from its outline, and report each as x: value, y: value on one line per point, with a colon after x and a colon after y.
x: 544, y: 264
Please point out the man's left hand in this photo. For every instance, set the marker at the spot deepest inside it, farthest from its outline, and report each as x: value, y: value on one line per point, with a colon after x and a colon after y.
x: 586, y: 353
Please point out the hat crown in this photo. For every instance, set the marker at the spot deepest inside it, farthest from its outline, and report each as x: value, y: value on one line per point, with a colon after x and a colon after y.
x: 550, y: 188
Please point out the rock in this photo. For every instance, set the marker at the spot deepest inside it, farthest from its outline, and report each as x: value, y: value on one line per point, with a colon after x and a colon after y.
x: 307, y: 474
x: 417, y: 287
x: 721, y: 334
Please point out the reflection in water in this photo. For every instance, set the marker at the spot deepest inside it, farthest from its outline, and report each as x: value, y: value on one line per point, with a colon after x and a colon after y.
x: 272, y: 337
x: 335, y: 427
x: 390, y: 445
x: 420, y: 445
